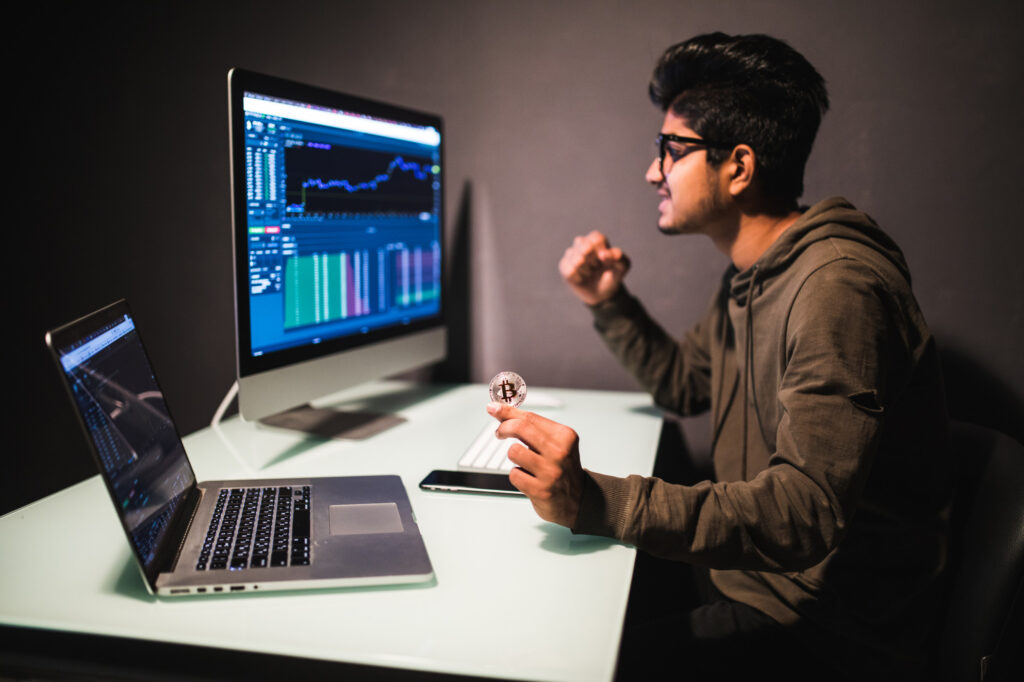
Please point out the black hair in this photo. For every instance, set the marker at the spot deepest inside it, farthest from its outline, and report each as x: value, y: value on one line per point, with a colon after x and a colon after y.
x: 748, y: 89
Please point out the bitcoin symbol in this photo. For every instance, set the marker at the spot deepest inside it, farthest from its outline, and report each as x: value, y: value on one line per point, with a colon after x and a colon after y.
x: 508, y: 391
x: 509, y: 388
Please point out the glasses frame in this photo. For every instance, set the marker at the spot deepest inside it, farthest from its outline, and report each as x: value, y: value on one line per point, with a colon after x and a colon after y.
x: 663, y: 139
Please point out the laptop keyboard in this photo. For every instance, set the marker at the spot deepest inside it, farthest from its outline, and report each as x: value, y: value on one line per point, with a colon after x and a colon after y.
x: 256, y: 528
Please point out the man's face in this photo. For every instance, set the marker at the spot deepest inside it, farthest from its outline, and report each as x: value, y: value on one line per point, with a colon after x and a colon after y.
x: 691, y: 199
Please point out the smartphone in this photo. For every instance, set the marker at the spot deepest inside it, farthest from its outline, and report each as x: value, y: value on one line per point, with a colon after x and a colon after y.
x: 469, y: 482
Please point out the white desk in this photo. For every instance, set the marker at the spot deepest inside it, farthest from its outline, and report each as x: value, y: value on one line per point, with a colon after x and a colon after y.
x: 514, y: 597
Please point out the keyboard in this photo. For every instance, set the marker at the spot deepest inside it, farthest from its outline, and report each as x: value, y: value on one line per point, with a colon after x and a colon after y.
x: 487, y: 453
x: 256, y: 528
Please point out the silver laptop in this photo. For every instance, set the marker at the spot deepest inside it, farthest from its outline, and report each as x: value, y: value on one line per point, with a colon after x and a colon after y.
x: 212, y: 537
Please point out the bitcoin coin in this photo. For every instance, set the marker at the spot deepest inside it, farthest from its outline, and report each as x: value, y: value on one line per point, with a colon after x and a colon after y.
x: 508, y: 388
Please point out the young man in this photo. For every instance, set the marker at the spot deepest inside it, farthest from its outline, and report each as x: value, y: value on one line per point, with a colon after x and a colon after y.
x: 823, y: 535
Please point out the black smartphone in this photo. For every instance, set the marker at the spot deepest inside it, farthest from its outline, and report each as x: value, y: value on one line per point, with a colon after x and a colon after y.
x: 469, y: 482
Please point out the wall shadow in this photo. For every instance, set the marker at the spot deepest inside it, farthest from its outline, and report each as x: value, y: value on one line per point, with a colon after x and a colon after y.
x: 457, y: 364
x: 975, y: 394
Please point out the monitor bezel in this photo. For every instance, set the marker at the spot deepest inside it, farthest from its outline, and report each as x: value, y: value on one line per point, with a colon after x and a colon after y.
x: 241, y: 81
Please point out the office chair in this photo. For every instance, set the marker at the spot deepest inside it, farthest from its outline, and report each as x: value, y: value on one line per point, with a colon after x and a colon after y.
x: 982, y: 636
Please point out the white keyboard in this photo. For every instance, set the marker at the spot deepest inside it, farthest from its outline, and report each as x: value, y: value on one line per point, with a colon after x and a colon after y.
x: 487, y: 452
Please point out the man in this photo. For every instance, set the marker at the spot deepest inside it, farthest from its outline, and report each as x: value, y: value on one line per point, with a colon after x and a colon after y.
x: 823, y: 535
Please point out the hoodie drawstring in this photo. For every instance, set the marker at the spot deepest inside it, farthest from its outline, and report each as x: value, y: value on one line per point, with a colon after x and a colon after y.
x: 749, y: 359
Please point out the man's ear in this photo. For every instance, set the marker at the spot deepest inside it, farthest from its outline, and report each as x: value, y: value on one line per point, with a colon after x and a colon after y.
x: 742, y: 164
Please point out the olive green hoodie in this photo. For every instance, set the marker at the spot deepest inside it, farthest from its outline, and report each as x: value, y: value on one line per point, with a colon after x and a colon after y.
x: 829, y: 439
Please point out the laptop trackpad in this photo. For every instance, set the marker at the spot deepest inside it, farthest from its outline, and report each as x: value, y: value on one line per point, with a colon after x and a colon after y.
x: 361, y: 519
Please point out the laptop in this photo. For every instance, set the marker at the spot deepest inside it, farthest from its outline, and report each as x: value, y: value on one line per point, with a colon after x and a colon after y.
x: 215, y: 537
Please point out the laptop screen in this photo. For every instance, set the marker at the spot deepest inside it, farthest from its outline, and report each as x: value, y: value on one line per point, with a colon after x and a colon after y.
x: 140, y: 454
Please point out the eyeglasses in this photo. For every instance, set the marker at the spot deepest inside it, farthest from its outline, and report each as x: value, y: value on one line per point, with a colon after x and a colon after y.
x: 663, y: 148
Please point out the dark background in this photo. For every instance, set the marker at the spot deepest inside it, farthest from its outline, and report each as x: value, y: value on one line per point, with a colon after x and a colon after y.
x: 118, y: 118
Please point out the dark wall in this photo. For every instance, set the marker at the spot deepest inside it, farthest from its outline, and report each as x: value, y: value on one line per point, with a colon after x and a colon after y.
x: 121, y: 177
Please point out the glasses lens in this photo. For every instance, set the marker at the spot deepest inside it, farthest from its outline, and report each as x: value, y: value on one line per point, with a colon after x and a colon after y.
x: 665, y: 148
x: 675, y: 153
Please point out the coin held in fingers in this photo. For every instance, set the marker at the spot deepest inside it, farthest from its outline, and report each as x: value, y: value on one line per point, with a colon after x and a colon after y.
x: 508, y: 388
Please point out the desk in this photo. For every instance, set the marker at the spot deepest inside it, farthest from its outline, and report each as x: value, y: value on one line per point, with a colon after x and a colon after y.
x: 514, y: 597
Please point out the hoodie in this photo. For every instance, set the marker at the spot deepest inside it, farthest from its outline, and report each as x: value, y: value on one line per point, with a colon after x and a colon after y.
x: 829, y: 441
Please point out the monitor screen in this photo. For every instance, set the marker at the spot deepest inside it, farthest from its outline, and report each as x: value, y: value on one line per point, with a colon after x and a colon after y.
x: 338, y: 226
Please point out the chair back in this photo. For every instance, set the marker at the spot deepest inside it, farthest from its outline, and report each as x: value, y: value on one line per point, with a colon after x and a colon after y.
x: 983, y: 636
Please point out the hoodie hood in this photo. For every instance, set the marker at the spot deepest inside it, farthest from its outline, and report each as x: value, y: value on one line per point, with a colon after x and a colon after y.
x: 834, y: 218
x: 767, y: 284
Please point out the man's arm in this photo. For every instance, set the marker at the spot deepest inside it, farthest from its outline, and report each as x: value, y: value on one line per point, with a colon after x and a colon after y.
x: 793, y: 513
x: 676, y: 374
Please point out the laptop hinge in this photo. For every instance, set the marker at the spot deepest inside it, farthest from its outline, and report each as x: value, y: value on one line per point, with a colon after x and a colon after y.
x: 194, y: 499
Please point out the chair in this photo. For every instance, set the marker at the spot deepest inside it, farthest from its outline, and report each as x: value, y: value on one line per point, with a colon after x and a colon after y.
x: 982, y: 636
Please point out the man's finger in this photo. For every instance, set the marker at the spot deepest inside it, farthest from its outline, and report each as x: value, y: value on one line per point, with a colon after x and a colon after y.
x: 574, y: 267
x: 511, y: 420
x: 538, y: 433
x: 503, y: 412
x: 612, y: 256
x: 597, y: 239
x: 525, y: 458
x: 524, y: 482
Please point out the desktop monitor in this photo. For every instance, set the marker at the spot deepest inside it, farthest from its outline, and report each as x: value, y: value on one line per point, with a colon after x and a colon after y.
x: 338, y: 225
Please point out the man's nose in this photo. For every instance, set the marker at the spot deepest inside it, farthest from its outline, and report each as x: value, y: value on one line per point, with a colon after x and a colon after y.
x: 653, y: 174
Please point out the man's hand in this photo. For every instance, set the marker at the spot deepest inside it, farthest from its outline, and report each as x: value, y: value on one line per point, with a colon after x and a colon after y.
x: 548, y: 469
x: 593, y: 269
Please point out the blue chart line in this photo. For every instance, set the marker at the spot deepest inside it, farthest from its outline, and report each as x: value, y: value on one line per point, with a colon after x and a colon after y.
x: 419, y: 172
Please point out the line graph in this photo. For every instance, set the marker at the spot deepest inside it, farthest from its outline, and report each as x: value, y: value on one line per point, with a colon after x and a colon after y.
x: 398, y: 162
x: 356, y: 181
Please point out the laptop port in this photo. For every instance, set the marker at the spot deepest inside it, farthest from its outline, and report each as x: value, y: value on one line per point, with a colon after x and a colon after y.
x: 237, y: 588
x: 180, y: 590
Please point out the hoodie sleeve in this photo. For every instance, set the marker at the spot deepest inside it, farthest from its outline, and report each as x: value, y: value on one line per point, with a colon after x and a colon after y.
x: 675, y: 373
x: 833, y: 396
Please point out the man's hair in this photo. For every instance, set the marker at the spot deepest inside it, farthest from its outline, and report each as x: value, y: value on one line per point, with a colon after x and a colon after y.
x: 751, y: 89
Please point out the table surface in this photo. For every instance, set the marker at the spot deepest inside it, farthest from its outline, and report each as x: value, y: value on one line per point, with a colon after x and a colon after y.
x: 513, y: 596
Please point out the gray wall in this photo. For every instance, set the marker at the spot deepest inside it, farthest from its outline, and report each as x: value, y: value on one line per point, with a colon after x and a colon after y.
x: 121, y: 187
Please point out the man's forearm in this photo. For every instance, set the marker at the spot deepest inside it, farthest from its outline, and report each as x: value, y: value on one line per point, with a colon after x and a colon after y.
x: 675, y: 373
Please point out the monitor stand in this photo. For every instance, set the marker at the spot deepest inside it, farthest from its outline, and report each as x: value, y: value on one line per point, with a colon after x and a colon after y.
x: 329, y: 422
x: 320, y: 422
